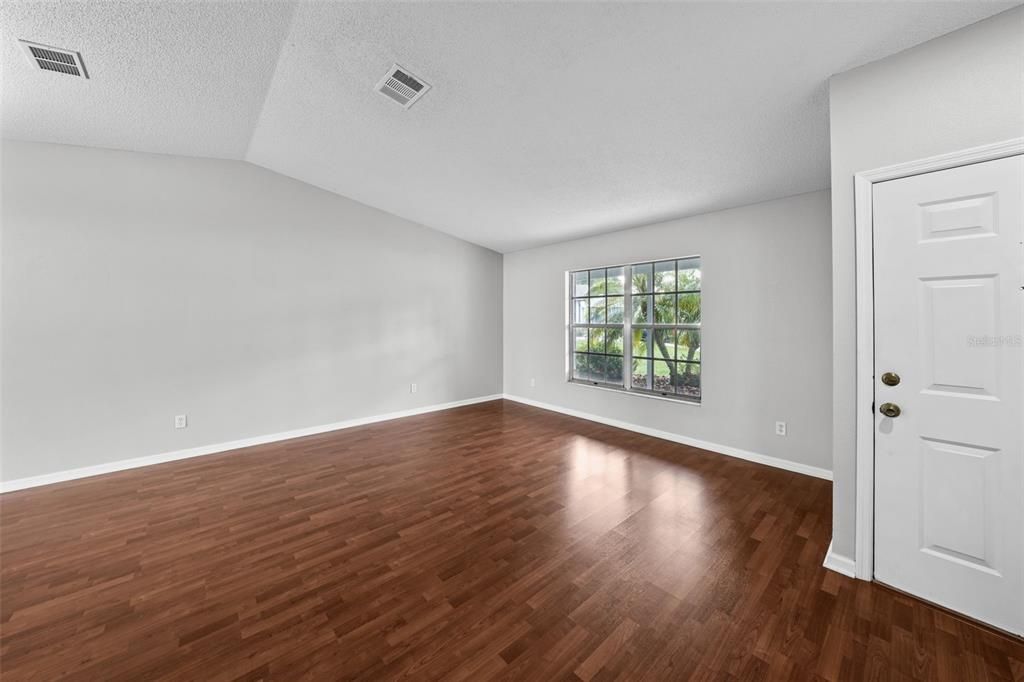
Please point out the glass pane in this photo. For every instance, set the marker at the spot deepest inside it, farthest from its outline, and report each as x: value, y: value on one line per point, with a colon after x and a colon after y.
x: 642, y: 306
x: 613, y: 370
x: 616, y: 280
x: 665, y: 344
x: 580, y: 369
x: 641, y: 373
x: 581, y: 308
x: 597, y: 367
x: 615, y: 306
x: 641, y: 347
x: 580, y: 284
x: 597, y: 285
x: 643, y: 275
x: 688, y: 380
x: 688, y: 345
x: 689, y: 308
x: 596, y: 340
x: 579, y: 336
x: 665, y: 276
x: 665, y: 309
x: 613, y: 341
x: 597, y: 306
x: 663, y: 376
x: 689, y: 274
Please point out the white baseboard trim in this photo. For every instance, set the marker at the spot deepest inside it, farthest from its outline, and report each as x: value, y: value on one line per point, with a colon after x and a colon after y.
x: 124, y: 464
x: 839, y: 563
x: 121, y: 465
x: 776, y: 462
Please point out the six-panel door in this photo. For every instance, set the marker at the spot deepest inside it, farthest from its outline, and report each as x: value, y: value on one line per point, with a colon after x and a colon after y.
x: 949, y: 470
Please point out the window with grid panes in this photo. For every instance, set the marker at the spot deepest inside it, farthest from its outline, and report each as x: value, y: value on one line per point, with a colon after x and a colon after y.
x: 637, y: 327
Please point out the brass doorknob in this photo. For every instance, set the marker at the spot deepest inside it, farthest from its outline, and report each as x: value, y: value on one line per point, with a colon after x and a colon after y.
x: 890, y: 409
x: 891, y: 379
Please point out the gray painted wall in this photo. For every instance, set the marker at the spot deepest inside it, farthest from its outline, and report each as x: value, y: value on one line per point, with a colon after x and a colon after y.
x: 766, y: 316
x: 137, y: 287
x: 961, y: 90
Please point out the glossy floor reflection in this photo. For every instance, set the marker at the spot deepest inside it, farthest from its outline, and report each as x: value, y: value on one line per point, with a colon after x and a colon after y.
x: 495, y: 541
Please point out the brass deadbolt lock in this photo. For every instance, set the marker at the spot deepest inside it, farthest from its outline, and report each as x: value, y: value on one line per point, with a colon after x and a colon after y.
x: 891, y: 410
x: 891, y: 379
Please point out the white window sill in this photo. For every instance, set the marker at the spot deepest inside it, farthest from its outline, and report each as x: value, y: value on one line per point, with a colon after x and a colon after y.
x: 642, y: 394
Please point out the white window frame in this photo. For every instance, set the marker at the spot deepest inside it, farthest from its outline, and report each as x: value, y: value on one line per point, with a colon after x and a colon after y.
x: 627, y: 333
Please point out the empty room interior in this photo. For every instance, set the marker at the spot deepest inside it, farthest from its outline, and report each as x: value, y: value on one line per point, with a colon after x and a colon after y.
x: 511, y: 340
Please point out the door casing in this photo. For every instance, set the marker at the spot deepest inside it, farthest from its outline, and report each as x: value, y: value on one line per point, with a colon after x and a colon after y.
x: 864, y: 564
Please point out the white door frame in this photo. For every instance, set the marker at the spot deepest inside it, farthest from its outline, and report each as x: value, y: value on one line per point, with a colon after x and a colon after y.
x: 864, y: 559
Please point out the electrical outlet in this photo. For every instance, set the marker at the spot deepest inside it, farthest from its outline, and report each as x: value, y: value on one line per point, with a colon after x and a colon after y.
x: 412, y: 388
x: 780, y: 428
x: 180, y: 421
x: 533, y: 382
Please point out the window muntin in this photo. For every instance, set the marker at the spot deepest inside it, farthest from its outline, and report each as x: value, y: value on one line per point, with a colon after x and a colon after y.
x: 658, y: 341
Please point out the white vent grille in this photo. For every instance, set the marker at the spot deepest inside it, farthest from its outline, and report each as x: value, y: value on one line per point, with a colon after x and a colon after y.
x: 55, y: 59
x: 402, y: 86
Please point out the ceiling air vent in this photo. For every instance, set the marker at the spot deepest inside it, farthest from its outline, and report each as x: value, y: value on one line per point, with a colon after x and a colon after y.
x: 55, y: 59
x: 402, y: 86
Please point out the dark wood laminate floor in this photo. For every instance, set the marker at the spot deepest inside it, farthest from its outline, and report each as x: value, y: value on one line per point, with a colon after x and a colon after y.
x: 495, y: 541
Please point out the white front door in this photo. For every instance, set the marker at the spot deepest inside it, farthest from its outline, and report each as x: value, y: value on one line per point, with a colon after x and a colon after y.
x: 949, y: 469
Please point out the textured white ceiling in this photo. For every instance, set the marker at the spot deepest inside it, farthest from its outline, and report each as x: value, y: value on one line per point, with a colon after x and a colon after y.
x: 546, y: 121
x: 170, y: 77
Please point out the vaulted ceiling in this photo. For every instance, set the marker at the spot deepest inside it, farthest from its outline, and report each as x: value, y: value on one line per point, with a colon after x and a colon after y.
x: 545, y: 122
